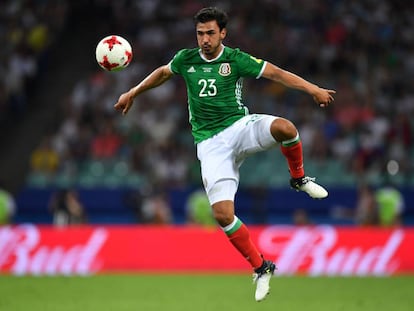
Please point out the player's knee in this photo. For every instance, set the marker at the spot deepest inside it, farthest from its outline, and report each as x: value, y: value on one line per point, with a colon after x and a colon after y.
x: 223, y: 213
x: 223, y: 219
x: 283, y: 129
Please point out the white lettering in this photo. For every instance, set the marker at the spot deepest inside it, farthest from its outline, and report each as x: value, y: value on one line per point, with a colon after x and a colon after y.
x: 56, y: 256
x: 322, y: 239
x: 69, y: 260
x: 21, y: 249
x: 6, y: 244
x: 316, y: 251
x: 89, y: 252
x: 336, y: 261
x: 367, y: 261
x: 30, y: 236
x: 387, y: 253
x: 352, y: 259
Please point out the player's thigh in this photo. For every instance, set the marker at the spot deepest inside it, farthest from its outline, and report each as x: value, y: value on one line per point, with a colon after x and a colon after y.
x: 217, y: 161
x: 253, y: 134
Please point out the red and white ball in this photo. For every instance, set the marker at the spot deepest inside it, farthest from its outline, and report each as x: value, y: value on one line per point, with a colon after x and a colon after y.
x: 113, y: 53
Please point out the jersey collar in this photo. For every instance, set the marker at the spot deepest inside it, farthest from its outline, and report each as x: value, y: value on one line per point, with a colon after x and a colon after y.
x: 211, y: 60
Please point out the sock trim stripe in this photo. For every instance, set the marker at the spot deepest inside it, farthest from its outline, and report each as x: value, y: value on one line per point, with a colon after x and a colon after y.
x: 233, y: 227
x: 291, y: 142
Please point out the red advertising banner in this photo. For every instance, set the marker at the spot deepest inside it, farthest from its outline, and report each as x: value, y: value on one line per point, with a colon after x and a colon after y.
x: 318, y: 250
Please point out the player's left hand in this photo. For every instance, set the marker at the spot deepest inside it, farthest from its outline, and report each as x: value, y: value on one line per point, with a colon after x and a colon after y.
x: 124, y: 102
x: 323, y: 97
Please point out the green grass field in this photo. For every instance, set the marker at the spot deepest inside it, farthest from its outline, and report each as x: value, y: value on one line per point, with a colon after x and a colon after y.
x: 203, y: 292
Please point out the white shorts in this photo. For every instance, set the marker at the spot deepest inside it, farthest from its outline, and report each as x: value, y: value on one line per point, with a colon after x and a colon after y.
x: 221, y: 155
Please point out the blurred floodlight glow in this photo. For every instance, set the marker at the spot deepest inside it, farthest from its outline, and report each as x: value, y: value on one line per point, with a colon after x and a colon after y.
x: 393, y: 167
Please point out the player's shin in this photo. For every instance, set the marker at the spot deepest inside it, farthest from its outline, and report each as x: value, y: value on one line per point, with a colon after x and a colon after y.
x: 239, y: 236
x: 292, y: 150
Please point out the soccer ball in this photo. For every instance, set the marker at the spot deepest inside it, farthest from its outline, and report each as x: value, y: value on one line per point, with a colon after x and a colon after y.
x: 113, y: 53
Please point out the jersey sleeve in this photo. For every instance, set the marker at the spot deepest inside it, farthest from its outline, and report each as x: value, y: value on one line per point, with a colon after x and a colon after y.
x: 250, y: 66
x: 176, y: 63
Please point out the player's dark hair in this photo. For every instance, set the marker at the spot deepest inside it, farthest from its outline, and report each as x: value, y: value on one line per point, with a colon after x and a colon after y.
x: 212, y: 14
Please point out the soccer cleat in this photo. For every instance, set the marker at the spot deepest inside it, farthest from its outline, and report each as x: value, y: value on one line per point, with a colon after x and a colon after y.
x: 262, y: 277
x: 308, y: 185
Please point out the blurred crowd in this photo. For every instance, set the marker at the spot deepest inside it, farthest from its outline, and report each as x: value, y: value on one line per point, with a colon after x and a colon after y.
x: 27, y: 30
x: 375, y: 206
x: 362, y: 49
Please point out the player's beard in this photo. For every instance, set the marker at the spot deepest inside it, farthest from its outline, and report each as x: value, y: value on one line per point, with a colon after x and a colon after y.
x: 209, y: 50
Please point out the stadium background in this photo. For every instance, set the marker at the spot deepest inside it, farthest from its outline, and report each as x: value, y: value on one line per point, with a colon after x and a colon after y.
x: 55, y: 103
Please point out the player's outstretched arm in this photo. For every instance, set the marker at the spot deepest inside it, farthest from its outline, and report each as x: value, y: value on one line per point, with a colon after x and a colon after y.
x: 322, y: 96
x: 154, y: 79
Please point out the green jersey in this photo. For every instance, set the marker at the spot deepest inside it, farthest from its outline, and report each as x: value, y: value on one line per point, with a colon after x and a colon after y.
x: 214, y: 87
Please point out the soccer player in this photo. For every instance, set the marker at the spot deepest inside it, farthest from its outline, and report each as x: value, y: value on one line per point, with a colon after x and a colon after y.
x: 224, y: 131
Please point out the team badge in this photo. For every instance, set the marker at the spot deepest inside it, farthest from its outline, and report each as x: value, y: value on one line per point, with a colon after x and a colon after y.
x: 224, y: 69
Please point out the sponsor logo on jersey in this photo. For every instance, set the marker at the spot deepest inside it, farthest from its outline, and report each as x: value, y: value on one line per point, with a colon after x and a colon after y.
x: 225, y: 69
x: 191, y: 69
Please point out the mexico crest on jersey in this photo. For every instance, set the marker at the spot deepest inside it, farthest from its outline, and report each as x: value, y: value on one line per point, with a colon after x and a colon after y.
x: 225, y: 69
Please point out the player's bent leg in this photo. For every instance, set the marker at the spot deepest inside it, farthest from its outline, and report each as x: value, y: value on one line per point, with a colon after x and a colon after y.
x: 291, y: 146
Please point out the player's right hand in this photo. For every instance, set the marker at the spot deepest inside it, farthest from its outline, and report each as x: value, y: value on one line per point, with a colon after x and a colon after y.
x: 124, y: 102
x: 323, y: 97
